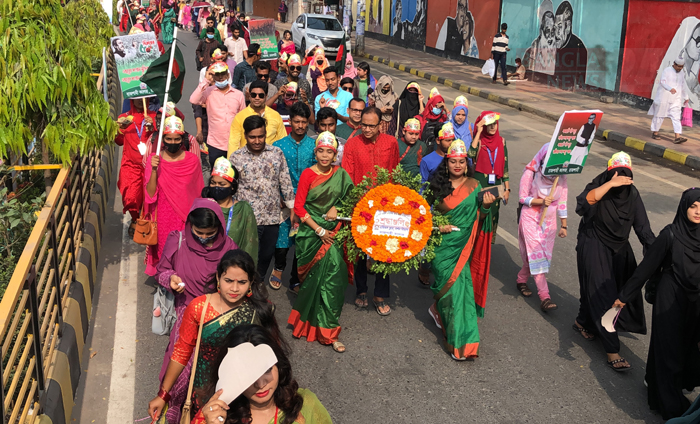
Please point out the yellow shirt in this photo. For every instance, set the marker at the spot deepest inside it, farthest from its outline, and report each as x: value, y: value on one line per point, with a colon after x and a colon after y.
x: 274, y: 128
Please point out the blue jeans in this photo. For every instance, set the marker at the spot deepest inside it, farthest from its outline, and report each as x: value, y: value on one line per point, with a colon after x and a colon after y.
x: 499, y: 57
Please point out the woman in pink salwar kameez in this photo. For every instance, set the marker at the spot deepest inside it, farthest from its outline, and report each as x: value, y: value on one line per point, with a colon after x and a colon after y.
x: 172, y: 182
x: 537, y: 241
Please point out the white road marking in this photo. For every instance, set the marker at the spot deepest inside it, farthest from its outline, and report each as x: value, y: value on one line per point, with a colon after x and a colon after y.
x: 123, y: 375
x: 505, y: 235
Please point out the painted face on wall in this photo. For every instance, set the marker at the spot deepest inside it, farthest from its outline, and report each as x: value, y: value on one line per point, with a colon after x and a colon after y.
x: 548, y: 30
x: 562, y: 28
x: 461, y: 16
x: 692, y: 48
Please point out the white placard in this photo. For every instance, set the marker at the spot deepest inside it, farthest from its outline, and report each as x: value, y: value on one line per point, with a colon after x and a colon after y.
x: 391, y: 224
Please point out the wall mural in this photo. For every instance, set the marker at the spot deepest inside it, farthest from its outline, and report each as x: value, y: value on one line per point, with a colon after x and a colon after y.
x: 555, y: 42
x: 408, y: 21
x: 657, y: 33
x: 378, y: 16
x: 462, y: 29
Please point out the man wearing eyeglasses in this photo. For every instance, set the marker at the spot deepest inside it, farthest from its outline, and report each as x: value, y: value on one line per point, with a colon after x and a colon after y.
x: 274, y: 128
x: 262, y: 73
x: 352, y: 128
x: 222, y: 103
x: 360, y: 156
x: 286, y: 98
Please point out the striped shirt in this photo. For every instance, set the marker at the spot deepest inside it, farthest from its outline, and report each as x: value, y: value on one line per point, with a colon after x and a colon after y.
x: 500, y: 43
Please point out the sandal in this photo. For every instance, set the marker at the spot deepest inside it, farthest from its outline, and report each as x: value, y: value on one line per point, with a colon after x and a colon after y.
x: 277, y: 282
x: 655, y: 136
x: 381, y: 304
x: 547, y: 305
x: 584, y: 333
x: 338, y: 347
x: 456, y: 358
x: 679, y: 140
x: 295, y: 289
x: 619, y: 361
x: 424, y: 283
x: 361, y: 301
x: 526, y: 292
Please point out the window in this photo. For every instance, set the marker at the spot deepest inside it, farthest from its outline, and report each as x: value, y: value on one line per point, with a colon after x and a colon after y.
x: 324, y: 24
x: 300, y: 20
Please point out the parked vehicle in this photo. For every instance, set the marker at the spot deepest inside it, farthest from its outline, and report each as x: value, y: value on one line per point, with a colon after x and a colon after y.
x: 310, y: 30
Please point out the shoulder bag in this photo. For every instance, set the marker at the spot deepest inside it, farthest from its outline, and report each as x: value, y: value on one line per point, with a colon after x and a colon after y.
x: 186, y: 416
x: 163, y: 324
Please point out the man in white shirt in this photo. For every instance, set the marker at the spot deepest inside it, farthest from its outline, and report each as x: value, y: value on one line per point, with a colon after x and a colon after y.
x: 671, y: 95
x: 237, y: 47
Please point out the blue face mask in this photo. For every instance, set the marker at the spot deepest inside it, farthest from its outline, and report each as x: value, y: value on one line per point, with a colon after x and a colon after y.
x: 221, y: 84
x: 210, y: 36
x: 437, y: 111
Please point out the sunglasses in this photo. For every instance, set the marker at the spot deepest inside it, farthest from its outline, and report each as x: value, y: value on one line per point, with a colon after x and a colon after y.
x: 347, y: 88
x: 266, y: 76
x: 295, y: 68
x: 257, y: 95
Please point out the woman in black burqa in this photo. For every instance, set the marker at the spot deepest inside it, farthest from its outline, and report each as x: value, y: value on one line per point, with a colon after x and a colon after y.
x: 674, y: 353
x: 610, y: 207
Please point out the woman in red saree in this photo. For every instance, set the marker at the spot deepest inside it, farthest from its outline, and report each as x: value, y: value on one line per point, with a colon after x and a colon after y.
x: 172, y: 183
x: 323, y: 270
x: 462, y: 260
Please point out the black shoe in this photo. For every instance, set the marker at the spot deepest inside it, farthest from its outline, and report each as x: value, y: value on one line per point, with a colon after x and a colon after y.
x: 506, y: 83
x: 493, y: 81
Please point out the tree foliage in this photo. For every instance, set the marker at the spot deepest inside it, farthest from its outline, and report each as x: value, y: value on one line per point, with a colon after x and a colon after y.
x: 46, y: 90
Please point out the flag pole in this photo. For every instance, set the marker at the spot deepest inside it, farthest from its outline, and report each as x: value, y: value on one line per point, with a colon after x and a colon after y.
x: 167, y: 88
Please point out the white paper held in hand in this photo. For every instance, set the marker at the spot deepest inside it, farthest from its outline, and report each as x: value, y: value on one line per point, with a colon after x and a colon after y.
x: 610, y: 318
x: 243, y: 366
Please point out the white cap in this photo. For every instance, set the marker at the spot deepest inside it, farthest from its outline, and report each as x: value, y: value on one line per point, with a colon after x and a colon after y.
x: 679, y: 61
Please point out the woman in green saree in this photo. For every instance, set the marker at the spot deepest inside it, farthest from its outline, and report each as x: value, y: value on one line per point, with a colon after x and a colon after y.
x: 239, y: 218
x: 169, y: 21
x: 240, y: 298
x: 461, y: 263
x: 323, y: 270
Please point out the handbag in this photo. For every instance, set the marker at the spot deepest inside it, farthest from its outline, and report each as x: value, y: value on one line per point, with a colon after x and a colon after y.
x: 687, y: 117
x: 173, y: 20
x: 186, y: 416
x: 146, y: 230
x: 163, y: 324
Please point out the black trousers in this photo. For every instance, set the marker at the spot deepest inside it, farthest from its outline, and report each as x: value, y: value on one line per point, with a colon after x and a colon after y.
x: 215, y: 154
x: 281, y: 264
x: 267, y: 239
x: 381, y: 283
x: 500, y: 58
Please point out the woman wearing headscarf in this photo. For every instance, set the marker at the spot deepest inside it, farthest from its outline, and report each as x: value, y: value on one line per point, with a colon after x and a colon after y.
x: 315, y: 73
x: 432, y: 118
x: 172, y: 182
x: 410, y: 105
x: 169, y: 21
x: 489, y: 153
x: 384, y: 98
x: 350, y: 71
x: 610, y: 207
x: 462, y: 261
x: 239, y: 219
x: 537, y: 241
x: 460, y: 120
x: 674, y: 354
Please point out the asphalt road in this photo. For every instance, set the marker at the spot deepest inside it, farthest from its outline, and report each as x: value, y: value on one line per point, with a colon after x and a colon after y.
x: 532, y: 367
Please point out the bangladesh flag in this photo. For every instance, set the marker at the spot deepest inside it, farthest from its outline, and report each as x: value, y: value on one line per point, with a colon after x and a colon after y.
x: 157, y: 74
x: 340, y: 59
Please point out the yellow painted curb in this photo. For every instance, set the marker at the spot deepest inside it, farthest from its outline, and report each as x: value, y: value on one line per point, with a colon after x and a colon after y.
x: 421, y: 74
x: 674, y: 156
x: 402, y: 68
x: 494, y: 97
x: 447, y: 83
x: 474, y: 91
x: 634, y: 143
x: 413, y: 71
x: 464, y: 88
x: 391, y: 63
x: 605, y: 134
x: 434, y: 78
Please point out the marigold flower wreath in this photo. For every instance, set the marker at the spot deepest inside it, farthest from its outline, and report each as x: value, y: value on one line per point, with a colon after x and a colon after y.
x: 396, y: 192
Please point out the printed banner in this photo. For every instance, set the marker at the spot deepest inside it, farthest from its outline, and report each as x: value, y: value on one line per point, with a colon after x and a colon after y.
x: 391, y: 224
x: 133, y: 55
x: 262, y: 31
x: 571, y: 142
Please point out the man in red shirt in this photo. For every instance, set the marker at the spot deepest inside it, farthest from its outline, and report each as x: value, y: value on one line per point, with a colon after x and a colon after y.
x: 360, y: 155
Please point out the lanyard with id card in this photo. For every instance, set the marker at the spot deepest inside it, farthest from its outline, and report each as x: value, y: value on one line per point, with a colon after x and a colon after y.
x: 492, y: 159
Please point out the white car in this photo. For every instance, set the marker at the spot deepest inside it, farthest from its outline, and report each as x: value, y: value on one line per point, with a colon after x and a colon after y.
x: 318, y: 30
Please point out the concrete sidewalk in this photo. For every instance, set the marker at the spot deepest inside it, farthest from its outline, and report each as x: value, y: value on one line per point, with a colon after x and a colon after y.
x: 622, y: 124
